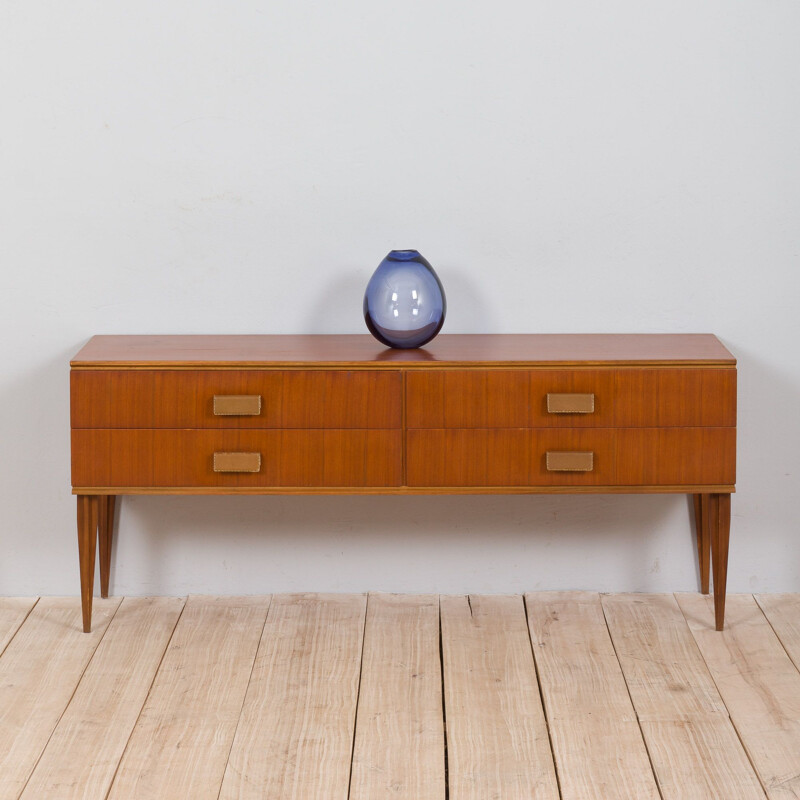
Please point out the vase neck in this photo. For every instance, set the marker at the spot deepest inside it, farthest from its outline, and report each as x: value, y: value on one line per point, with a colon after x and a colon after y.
x: 404, y: 255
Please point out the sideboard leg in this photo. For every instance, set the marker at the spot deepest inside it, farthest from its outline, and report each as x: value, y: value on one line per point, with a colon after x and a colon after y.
x: 105, y: 534
x: 87, y: 550
x: 720, y: 526
x: 703, y: 539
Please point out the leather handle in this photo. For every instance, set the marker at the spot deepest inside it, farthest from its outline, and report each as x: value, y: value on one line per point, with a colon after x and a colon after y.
x: 237, y: 405
x: 570, y: 403
x: 237, y: 462
x: 569, y: 462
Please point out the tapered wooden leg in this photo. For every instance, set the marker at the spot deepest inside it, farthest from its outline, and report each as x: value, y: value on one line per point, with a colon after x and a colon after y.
x: 105, y: 538
x: 720, y: 528
x: 703, y: 538
x: 87, y: 549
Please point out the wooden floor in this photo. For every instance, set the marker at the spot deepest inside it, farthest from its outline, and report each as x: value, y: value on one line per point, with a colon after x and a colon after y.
x: 329, y: 697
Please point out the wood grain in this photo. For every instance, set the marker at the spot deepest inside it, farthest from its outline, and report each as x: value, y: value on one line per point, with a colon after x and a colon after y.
x: 783, y: 613
x: 703, y: 539
x: 700, y: 758
x: 497, y: 741
x: 663, y: 669
x: 185, y: 399
x: 395, y: 490
x: 470, y: 398
x: 719, y: 525
x: 624, y: 398
x: 295, y: 736
x: 312, y: 458
x: 13, y: 612
x: 759, y: 684
x: 39, y: 671
x: 694, y: 749
x: 399, y: 744
x: 87, y: 553
x: 655, y: 398
x: 596, y: 739
x: 182, y: 738
x: 105, y: 539
x: 363, y: 350
x: 626, y: 457
x: 83, y: 753
x: 689, y: 456
x: 505, y: 457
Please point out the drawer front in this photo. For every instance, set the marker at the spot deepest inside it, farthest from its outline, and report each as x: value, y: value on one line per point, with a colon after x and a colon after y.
x: 266, y: 458
x: 186, y: 399
x: 509, y: 457
x: 523, y: 398
x: 618, y: 457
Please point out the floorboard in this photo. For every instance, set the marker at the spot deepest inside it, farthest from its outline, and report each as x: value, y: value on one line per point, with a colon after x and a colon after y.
x: 13, y: 612
x: 759, y: 684
x: 399, y: 748
x: 497, y: 740
x: 39, y: 670
x: 295, y: 737
x: 695, y: 751
x: 82, y: 755
x: 182, y: 738
x: 783, y: 613
x: 596, y: 739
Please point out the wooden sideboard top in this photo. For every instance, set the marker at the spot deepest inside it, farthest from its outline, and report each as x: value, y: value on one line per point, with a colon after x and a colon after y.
x: 361, y: 350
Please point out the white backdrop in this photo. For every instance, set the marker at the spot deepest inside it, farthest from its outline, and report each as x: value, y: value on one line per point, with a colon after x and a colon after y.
x: 201, y: 166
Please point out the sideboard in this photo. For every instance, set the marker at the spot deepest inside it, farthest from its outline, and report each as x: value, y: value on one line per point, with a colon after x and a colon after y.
x: 468, y: 414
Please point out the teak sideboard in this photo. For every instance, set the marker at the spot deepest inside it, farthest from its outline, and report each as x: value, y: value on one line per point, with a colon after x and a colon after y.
x: 468, y: 414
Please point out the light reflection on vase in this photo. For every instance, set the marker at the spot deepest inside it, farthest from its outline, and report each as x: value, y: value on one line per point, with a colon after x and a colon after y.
x: 404, y: 304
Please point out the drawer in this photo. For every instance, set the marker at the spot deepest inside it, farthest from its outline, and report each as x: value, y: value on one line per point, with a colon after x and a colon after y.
x: 632, y: 457
x: 274, y: 399
x: 571, y: 398
x: 185, y: 458
x: 506, y: 457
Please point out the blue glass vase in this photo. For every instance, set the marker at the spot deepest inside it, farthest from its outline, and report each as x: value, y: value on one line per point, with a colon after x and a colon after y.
x: 404, y: 304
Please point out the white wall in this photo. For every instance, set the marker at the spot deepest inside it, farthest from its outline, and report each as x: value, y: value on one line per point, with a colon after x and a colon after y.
x: 203, y: 166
